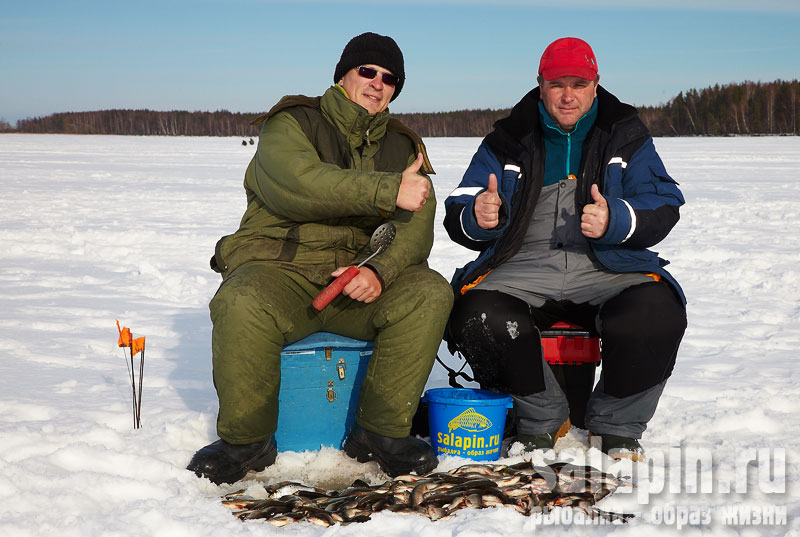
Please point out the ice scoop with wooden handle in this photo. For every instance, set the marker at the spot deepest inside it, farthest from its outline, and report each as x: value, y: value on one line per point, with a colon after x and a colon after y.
x: 381, y: 237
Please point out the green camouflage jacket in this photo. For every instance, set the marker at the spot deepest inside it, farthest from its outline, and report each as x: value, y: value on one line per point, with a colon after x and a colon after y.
x: 324, y: 176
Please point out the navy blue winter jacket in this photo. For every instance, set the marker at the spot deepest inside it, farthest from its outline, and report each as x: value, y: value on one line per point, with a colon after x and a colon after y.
x: 618, y: 155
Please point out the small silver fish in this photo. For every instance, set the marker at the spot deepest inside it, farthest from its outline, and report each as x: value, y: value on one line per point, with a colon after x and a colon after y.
x: 523, y: 487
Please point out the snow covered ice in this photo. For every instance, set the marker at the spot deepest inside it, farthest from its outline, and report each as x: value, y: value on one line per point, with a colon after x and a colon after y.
x: 99, y: 228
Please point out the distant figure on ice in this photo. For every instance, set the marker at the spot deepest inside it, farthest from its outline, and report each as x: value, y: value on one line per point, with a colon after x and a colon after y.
x: 327, y: 172
x: 562, y: 200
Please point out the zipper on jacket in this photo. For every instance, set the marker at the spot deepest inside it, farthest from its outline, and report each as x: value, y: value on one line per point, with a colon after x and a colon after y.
x: 569, y: 143
x: 569, y: 151
x: 367, y: 135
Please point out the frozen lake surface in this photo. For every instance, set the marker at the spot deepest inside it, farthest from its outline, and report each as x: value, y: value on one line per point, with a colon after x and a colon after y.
x: 99, y: 228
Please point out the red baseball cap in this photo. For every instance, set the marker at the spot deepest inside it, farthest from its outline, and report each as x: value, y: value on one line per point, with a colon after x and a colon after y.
x: 568, y: 56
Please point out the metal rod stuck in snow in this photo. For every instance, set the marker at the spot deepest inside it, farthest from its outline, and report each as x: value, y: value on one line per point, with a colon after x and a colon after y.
x: 134, y: 346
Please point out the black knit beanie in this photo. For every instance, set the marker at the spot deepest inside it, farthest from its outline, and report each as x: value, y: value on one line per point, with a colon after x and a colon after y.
x: 375, y: 49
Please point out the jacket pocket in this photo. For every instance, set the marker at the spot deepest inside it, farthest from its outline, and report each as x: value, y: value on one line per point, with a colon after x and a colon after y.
x: 664, y: 184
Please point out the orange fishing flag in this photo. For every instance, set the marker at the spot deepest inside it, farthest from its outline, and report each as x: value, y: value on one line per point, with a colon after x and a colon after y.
x: 124, y: 336
x: 136, y: 346
x: 126, y: 340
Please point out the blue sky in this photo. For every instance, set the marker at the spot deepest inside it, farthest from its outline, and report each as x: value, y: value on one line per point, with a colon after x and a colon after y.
x: 243, y: 55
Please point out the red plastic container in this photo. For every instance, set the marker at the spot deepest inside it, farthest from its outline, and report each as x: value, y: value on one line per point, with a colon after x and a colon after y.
x: 569, y: 344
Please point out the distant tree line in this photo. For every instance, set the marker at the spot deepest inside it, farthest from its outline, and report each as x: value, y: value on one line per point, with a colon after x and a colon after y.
x: 748, y: 108
x: 143, y: 122
x: 458, y: 123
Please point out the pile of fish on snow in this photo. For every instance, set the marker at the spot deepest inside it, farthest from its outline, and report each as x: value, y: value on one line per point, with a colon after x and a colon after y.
x: 526, y: 488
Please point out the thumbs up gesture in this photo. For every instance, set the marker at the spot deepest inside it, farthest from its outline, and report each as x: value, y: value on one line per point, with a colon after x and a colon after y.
x: 594, y: 220
x: 487, y: 205
x: 414, y: 188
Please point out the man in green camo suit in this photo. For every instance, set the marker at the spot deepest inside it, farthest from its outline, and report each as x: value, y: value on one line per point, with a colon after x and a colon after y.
x: 328, y: 171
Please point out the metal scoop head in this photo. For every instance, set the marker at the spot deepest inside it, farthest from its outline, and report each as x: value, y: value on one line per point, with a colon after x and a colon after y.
x: 382, y: 237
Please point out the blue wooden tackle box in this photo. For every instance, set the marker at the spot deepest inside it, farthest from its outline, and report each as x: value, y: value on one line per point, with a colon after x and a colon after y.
x: 320, y: 380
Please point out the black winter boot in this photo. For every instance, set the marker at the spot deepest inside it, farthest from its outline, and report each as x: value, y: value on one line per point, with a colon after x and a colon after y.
x: 618, y: 447
x: 395, y: 456
x: 222, y: 462
x: 532, y: 442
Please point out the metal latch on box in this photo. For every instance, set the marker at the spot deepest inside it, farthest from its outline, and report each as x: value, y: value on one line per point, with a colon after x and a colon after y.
x: 340, y: 368
x: 331, y: 394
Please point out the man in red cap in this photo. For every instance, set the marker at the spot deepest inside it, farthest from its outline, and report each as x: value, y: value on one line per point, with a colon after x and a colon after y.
x: 563, y: 200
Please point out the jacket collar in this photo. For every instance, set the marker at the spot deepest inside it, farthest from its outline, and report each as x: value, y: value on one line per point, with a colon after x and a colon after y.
x: 551, y: 128
x: 352, y: 119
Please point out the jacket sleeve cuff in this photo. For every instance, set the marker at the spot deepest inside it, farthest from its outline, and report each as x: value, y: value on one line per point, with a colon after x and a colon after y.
x: 470, y: 227
x: 621, y: 222
x: 386, y: 192
x: 377, y: 275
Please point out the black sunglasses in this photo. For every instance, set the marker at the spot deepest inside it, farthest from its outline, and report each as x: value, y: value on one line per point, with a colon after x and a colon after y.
x: 368, y: 72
